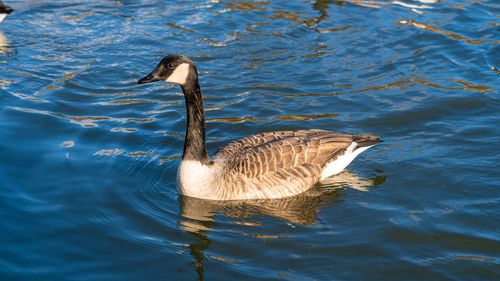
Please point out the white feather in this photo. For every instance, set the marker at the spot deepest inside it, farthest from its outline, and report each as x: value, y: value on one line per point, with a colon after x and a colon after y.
x: 339, y: 164
x: 195, y: 179
x: 2, y: 16
x: 179, y: 75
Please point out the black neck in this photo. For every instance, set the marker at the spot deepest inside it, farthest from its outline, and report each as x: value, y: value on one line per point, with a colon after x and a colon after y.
x: 194, y: 144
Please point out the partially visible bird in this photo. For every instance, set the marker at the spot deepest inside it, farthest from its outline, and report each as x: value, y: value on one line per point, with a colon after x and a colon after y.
x: 4, y: 10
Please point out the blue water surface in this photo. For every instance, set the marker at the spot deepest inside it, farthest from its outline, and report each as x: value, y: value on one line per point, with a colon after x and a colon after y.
x: 88, y: 158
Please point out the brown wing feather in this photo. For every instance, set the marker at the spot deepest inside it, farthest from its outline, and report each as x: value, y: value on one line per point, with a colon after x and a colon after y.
x: 258, y: 155
x: 279, y: 164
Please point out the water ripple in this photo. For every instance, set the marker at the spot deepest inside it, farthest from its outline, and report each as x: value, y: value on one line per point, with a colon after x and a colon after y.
x: 98, y: 201
x: 84, y: 121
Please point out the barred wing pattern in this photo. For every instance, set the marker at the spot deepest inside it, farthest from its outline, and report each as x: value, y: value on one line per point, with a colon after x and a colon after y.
x: 277, y: 164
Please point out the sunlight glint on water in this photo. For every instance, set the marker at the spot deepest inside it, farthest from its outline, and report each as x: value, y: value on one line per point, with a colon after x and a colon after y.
x: 89, y: 158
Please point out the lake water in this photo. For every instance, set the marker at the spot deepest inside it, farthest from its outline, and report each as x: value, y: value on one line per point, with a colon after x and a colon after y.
x: 89, y: 158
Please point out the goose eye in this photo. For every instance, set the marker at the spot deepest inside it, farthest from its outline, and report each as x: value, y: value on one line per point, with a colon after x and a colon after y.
x: 170, y: 66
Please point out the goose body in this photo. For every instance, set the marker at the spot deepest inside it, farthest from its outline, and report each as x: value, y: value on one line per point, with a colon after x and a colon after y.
x: 4, y: 10
x: 262, y: 166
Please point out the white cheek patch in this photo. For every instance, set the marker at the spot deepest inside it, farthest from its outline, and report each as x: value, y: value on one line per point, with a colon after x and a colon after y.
x: 2, y: 16
x: 179, y: 75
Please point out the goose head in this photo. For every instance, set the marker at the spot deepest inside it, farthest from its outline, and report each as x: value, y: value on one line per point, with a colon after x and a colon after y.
x: 176, y: 69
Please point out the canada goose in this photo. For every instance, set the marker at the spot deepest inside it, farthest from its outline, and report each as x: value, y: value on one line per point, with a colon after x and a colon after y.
x: 4, y: 10
x: 263, y: 166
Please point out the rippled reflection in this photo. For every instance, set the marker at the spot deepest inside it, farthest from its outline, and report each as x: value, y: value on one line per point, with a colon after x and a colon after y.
x: 451, y: 84
x: 4, y: 44
x: 85, y: 121
x: 379, y: 4
x: 452, y: 35
x: 247, y: 5
x: 180, y: 28
x: 301, y: 209
x: 199, y: 215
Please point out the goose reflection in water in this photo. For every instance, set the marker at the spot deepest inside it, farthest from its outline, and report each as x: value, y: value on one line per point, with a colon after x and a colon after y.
x: 301, y: 209
x: 4, y: 44
x: 198, y: 215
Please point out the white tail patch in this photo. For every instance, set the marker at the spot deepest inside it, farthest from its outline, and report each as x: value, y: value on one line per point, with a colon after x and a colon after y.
x: 339, y: 164
x: 179, y: 75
